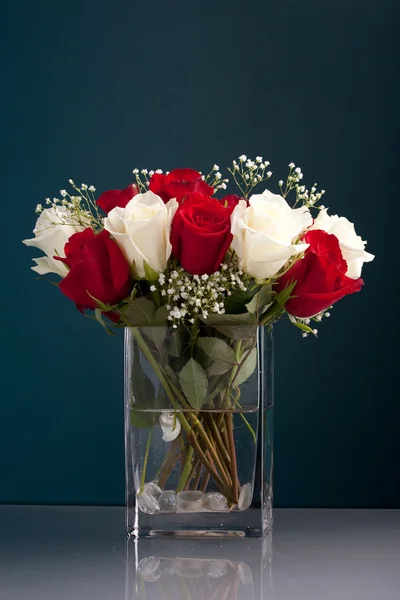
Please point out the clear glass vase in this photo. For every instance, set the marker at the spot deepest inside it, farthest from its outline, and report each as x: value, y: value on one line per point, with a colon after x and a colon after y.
x: 198, y: 431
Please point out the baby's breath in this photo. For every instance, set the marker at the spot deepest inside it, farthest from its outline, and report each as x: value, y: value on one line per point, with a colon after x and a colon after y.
x: 316, y: 319
x: 304, y: 196
x: 215, y: 180
x: 248, y: 173
x: 76, y: 208
x: 189, y: 297
x: 143, y: 177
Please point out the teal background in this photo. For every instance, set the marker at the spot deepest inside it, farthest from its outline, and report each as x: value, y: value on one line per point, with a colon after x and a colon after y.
x: 92, y: 90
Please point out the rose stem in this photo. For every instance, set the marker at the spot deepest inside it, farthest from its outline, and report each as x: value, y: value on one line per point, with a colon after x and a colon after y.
x: 196, y: 481
x: 170, y: 389
x: 146, y: 458
x: 191, y: 474
x: 160, y: 470
x: 222, y: 591
x: 218, y: 439
x: 208, y: 465
x: 223, y: 462
x: 236, y: 582
x: 249, y: 427
x: 225, y: 434
x: 204, y: 483
x: 232, y: 451
x: 213, y: 453
x: 168, y: 468
x: 186, y: 469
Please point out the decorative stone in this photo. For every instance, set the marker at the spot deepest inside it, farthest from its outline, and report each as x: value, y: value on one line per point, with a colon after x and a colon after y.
x: 214, y: 501
x: 167, y: 566
x: 147, y: 501
x: 214, y: 569
x: 148, y: 568
x: 152, y: 489
x: 246, y: 496
x: 244, y: 573
x: 168, y: 501
x: 189, y: 501
x: 189, y: 567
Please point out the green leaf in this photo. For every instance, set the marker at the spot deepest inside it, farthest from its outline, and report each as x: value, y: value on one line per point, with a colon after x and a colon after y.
x: 247, y: 368
x: 140, y: 312
x: 157, y: 332
x: 149, y: 273
x: 143, y: 418
x: 176, y: 346
x: 194, y: 382
x: 278, y: 306
x: 239, y: 327
x: 236, y: 302
x: 285, y: 294
x: 261, y: 300
x: 104, y: 307
x: 222, y: 356
x: 160, y: 316
x: 99, y: 317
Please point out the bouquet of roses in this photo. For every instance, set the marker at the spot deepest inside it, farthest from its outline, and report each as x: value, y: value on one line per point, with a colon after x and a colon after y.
x: 193, y: 277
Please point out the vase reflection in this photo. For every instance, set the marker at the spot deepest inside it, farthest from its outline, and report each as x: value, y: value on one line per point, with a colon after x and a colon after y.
x: 204, y: 570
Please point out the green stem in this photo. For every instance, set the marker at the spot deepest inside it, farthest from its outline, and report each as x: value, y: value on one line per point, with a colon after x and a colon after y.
x: 232, y: 452
x: 218, y: 439
x: 186, y: 469
x: 198, y: 472
x: 210, y: 468
x: 146, y: 458
x: 249, y: 427
x: 205, y: 480
x: 167, y: 465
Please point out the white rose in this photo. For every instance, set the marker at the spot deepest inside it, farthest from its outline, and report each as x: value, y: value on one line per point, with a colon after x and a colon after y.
x: 264, y: 233
x: 52, y: 230
x: 142, y: 231
x: 351, y: 244
x: 170, y: 426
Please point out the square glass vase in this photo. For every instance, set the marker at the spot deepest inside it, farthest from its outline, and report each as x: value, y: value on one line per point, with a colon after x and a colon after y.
x: 199, y: 431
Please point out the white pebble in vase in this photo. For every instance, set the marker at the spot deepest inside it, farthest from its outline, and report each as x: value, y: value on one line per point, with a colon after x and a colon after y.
x: 246, y: 496
x: 147, y: 501
x: 189, y: 501
x: 214, y: 501
x: 148, y: 568
x: 168, y: 501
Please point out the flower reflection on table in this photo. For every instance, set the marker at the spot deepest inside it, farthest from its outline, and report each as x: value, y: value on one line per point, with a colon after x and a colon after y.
x: 198, y: 570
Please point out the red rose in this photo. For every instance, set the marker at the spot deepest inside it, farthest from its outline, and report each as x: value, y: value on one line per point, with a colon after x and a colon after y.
x: 112, y: 198
x: 230, y: 200
x: 178, y: 184
x: 97, y: 267
x: 201, y: 234
x: 320, y: 275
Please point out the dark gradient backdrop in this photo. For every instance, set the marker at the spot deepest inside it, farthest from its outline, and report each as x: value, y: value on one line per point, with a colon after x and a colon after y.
x: 93, y: 89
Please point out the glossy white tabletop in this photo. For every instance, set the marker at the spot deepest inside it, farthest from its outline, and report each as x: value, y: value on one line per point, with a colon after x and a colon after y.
x: 81, y: 553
